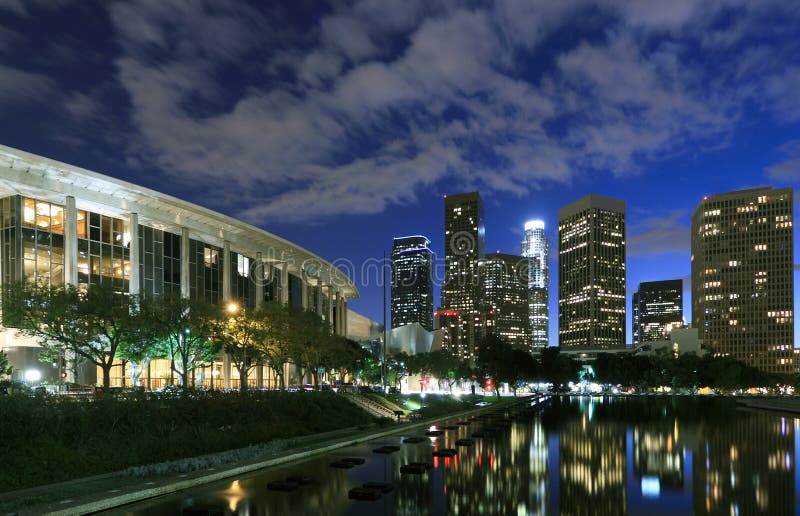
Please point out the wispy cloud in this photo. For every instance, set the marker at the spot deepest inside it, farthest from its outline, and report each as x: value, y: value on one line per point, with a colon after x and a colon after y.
x: 379, y: 100
x: 659, y: 235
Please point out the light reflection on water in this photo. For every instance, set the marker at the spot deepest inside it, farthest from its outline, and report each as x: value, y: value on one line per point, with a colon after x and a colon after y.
x: 654, y: 455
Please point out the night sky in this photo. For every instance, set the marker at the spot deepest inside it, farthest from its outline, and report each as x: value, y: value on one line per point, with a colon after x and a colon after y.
x: 339, y: 126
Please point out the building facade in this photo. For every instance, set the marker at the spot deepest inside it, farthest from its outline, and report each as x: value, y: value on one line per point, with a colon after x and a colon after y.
x: 464, y: 237
x: 657, y: 308
x: 61, y: 224
x: 743, y: 276
x: 536, y: 250
x: 504, y: 301
x: 591, y: 273
x: 412, y: 282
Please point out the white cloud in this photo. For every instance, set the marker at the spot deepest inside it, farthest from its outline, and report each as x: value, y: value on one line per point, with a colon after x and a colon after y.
x: 383, y: 99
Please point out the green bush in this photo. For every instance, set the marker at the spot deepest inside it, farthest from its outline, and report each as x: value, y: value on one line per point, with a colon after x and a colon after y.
x: 51, y: 439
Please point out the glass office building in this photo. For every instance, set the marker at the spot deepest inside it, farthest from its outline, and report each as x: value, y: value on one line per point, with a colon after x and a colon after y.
x: 412, y: 282
x: 536, y: 250
x: 504, y: 301
x: 657, y: 308
x: 61, y: 224
x: 591, y: 273
x: 464, y: 237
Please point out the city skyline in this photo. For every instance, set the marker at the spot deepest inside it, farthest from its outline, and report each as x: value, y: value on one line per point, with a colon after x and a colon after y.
x: 338, y: 127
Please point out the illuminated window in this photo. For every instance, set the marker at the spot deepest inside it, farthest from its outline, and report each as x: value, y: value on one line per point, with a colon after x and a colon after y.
x: 81, y: 224
x: 210, y: 257
x: 243, y: 265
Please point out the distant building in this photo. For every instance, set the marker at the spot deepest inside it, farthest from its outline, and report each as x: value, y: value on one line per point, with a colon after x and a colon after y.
x: 412, y: 284
x: 743, y: 276
x: 657, y: 308
x: 413, y: 339
x: 635, y: 318
x: 591, y: 273
x: 535, y: 249
x: 464, y: 236
x: 504, y: 302
x: 366, y: 332
x: 679, y: 342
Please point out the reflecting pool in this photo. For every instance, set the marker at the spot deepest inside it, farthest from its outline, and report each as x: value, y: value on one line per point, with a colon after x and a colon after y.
x: 577, y: 455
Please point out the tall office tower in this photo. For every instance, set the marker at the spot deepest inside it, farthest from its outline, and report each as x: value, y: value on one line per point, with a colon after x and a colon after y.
x: 658, y: 307
x: 412, y: 285
x: 743, y: 278
x: 504, y: 302
x: 591, y: 273
x: 635, y: 318
x: 464, y: 236
x: 535, y: 248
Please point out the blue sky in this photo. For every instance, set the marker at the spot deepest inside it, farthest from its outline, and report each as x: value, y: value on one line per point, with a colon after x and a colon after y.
x: 340, y: 126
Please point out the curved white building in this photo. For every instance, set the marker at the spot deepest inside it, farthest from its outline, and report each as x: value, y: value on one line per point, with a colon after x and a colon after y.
x: 64, y: 224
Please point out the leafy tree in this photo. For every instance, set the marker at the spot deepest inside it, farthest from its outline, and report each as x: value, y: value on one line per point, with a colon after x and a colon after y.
x: 92, y: 324
x: 5, y: 369
x: 558, y: 369
x: 184, y: 329
x: 309, y: 341
x: 240, y: 331
x: 276, y: 345
x: 494, y: 355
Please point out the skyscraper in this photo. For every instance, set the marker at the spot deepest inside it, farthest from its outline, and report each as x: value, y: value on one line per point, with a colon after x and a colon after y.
x: 535, y: 248
x: 591, y: 273
x: 743, y: 276
x: 657, y: 308
x: 504, y: 302
x: 464, y: 236
x: 412, y: 285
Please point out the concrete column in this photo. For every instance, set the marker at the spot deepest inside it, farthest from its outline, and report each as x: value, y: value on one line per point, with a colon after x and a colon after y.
x: 258, y: 278
x: 285, y: 283
x: 303, y: 292
x: 134, y: 282
x: 344, y: 317
x: 260, y: 376
x: 70, y: 242
x: 226, y: 371
x: 329, y: 316
x: 226, y: 271
x: 186, y: 290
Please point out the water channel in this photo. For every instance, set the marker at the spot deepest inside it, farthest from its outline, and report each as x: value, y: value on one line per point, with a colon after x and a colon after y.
x: 577, y: 455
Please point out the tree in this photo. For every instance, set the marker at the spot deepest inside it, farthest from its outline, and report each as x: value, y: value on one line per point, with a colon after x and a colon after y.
x: 5, y: 369
x: 494, y: 355
x: 92, y: 324
x: 240, y: 331
x: 275, y: 347
x: 184, y: 329
x: 310, y: 341
x: 558, y: 369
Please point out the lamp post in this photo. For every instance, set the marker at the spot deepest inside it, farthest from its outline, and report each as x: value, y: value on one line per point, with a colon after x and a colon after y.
x: 233, y: 309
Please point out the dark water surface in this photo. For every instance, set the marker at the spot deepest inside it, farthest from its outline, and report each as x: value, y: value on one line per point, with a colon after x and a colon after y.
x: 579, y: 455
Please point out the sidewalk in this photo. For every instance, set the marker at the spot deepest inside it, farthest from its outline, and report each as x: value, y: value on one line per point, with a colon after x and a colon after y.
x: 788, y: 405
x: 112, y: 490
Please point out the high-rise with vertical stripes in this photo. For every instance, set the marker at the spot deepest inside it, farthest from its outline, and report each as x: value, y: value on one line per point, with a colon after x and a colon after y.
x: 591, y: 273
x: 535, y: 249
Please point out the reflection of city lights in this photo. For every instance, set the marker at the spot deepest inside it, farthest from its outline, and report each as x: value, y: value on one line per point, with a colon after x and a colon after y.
x: 233, y: 495
x: 651, y: 487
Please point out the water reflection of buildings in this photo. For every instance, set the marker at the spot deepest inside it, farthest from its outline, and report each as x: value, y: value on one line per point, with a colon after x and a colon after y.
x: 489, y: 477
x: 747, y: 467
x: 592, y: 469
x: 656, y: 454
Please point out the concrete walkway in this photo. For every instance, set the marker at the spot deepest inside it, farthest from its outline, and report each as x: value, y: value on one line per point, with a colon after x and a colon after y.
x: 787, y: 405
x: 112, y: 490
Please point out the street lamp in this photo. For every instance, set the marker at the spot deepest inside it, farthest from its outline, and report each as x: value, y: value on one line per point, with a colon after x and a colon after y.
x: 233, y: 309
